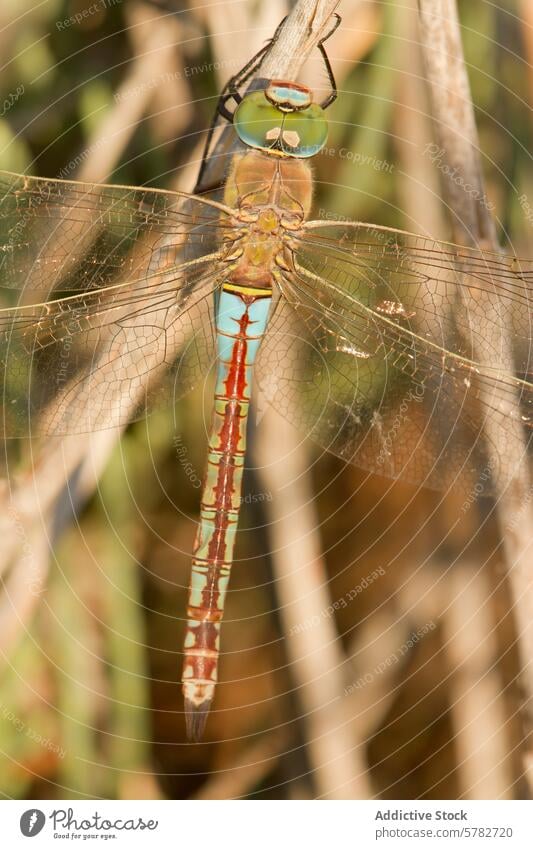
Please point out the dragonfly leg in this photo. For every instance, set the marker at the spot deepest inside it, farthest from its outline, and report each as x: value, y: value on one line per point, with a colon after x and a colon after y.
x: 231, y: 91
x: 329, y: 70
x: 241, y: 322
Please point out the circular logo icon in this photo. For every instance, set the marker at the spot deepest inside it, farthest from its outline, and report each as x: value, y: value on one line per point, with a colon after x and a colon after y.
x: 32, y: 822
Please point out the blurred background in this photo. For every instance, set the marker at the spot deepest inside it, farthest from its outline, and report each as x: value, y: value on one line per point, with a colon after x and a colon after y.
x: 390, y: 668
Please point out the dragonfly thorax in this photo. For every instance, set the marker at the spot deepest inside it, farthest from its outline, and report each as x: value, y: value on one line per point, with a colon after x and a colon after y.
x: 259, y: 247
x: 271, y: 198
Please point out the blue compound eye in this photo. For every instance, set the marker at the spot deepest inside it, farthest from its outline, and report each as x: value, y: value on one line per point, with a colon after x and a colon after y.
x: 299, y: 132
x: 256, y: 120
x: 305, y: 132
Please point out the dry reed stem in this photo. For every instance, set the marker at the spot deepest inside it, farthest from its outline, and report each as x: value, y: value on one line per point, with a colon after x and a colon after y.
x: 23, y: 588
x: 472, y: 224
x: 481, y: 733
x: 237, y: 31
x: 361, y: 28
x: 315, y: 654
x: 454, y: 120
x: 460, y: 600
x: 154, y: 56
x: 418, y: 185
x: 526, y: 15
x: 377, y: 640
x: 433, y: 593
x: 308, y: 21
x: 170, y: 104
x: 249, y: 769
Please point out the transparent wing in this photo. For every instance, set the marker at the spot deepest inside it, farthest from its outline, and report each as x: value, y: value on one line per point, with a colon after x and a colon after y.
x: 58, y: 234
x: 392, y: 351
x: 99, y: 359
x: 141, y: 264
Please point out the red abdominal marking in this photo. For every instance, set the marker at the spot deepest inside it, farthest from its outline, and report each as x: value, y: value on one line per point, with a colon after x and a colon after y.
x: 213, y: 550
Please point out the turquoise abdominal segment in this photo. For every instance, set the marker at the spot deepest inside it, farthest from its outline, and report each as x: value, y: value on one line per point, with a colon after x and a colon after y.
x: 301, y: 132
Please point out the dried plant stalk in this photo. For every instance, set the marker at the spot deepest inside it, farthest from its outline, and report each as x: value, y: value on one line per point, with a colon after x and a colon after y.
x: 478, y: 711
x: 472, y: 223
x: 317, y: 659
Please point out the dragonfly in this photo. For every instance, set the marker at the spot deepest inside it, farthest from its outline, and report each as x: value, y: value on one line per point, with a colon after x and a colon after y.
x: 401, y: 354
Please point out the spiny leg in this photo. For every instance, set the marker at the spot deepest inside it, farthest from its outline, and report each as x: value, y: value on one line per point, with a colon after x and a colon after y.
x: 229, y: 92
x: 329, y: 70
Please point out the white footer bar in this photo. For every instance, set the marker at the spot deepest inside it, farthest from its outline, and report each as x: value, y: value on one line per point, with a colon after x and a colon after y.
x: 268, y: 824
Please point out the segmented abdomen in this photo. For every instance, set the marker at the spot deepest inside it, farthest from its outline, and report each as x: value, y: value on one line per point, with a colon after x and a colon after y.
x: 242, y: 316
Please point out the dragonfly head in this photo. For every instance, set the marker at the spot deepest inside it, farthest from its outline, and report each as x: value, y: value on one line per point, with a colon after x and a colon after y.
x: 282, y: 119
